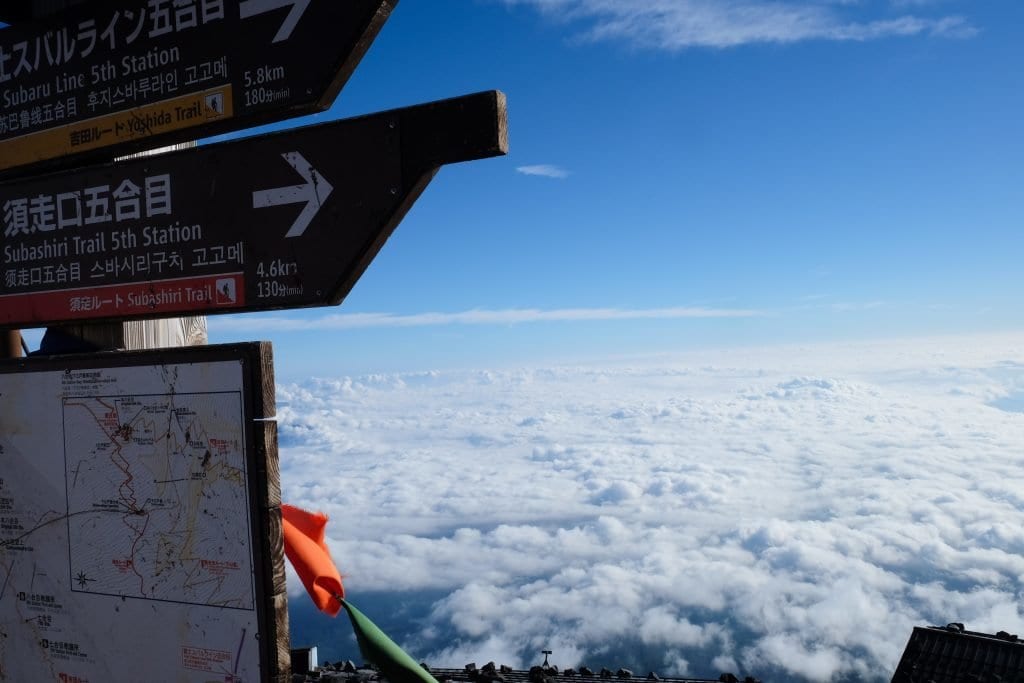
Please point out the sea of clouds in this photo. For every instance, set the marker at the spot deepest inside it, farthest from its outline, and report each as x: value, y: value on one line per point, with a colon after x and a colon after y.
x: 787, y: 512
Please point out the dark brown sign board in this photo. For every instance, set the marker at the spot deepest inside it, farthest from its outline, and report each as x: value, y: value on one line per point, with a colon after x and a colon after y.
x: 109, y: 77
x: 140, y: 521
x: 16, y: 11
x: 284, y: 220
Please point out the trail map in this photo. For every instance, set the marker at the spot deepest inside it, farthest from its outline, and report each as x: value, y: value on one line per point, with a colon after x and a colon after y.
x: 126, y: 526
x: 161, y: 466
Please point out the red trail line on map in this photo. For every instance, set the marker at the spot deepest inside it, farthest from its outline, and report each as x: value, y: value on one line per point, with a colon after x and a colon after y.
x: 129, y: 499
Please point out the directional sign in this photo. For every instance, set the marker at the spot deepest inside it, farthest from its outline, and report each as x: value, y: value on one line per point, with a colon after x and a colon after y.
x: 115, y: 76
x: 278, y: 221
x: 312, y: 194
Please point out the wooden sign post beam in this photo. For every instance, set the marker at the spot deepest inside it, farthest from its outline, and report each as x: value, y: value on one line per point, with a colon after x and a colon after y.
x: 225, y: 228
x: 10, y: 344
x: 164, y: 73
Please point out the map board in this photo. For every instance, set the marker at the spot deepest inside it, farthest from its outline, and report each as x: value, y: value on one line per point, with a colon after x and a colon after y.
x: 140, y: 519
x: 115, y: 76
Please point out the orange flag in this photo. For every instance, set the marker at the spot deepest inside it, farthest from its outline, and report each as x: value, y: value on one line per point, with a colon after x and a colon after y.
x: 304, y: 545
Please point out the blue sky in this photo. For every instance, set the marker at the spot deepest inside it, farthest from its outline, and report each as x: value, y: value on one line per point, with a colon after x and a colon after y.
x: 828, y: 187
x: 798, y: 170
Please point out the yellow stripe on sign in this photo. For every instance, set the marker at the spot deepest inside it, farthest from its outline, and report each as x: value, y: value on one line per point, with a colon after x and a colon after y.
x: 111, y: 129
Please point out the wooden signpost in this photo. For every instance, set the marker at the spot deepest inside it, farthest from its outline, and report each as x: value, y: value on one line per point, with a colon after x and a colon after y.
x: 106, y: 78
x: 279, y: 221
x: 140, y: 525
x: 10, y: 343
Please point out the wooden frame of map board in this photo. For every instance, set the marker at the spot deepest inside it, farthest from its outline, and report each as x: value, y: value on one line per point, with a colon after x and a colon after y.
x: 140, y: 520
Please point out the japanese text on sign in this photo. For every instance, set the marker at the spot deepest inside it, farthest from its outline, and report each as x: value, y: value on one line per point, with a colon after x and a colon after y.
x: 127, y: 201
x: 117, y: 31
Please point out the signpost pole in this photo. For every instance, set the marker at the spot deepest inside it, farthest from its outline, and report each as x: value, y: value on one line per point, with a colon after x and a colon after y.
x: 166, y: 332
x: 10, y: 344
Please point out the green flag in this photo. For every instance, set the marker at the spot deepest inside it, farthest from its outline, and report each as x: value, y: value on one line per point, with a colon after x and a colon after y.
x: 378, y: 649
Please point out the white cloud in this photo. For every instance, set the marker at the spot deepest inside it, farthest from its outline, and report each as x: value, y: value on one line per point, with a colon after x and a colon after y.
x: 790, y: 512
x: 544, y: 170
x: 678, y: 24
x: 348, y: 321
x: 847, y: 306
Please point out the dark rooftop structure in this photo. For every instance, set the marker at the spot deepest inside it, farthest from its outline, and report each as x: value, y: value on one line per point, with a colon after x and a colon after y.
x: 551, y: 674
x: 951, y: 654
x: 348, y: 672
x: 934, y: 654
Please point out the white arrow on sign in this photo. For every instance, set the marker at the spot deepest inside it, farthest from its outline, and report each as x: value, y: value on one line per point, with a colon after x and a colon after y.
x: 251, y: 8
x: 314, y: 193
